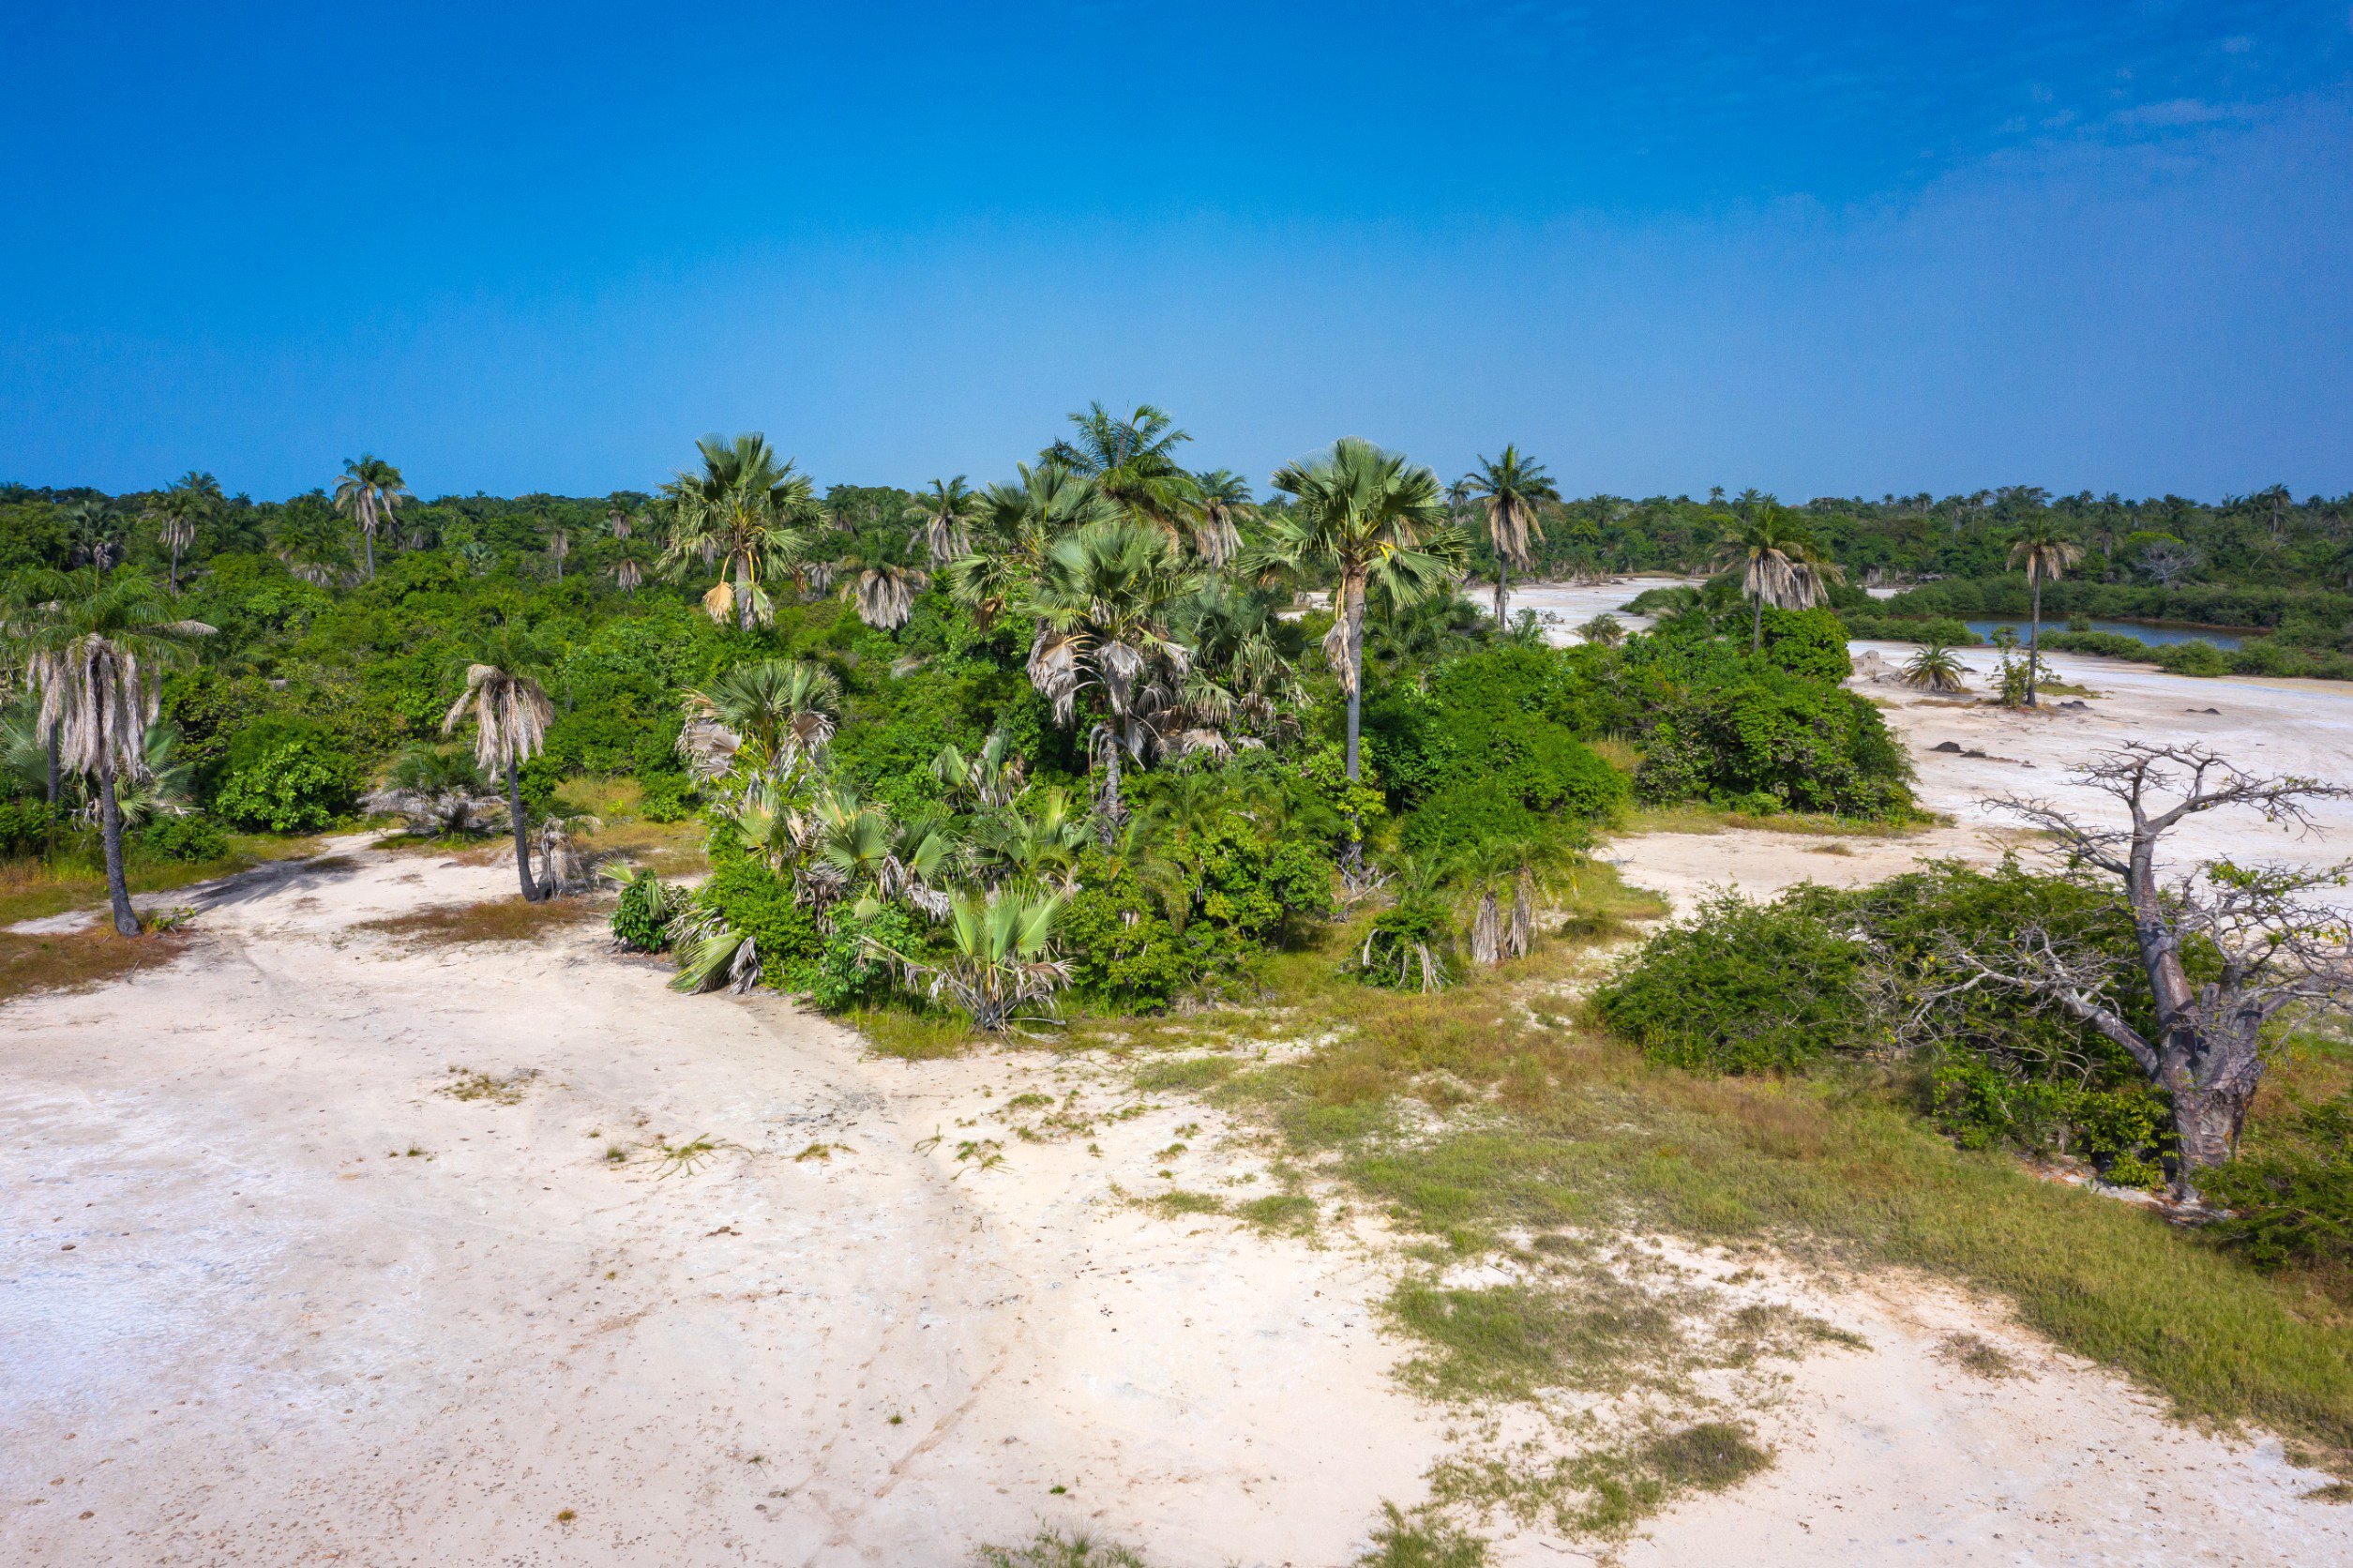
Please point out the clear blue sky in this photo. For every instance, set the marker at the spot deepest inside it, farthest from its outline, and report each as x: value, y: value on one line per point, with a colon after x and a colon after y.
x: 1816, y: 248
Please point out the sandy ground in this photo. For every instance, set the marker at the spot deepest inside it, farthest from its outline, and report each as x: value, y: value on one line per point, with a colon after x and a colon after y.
x: 239, y: 1323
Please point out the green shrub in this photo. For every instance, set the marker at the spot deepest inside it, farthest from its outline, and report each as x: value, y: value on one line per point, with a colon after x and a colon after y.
x: 1807, y: 643
x: 25, y: 825
x: 667, y: 797
x: 640, y: 920
x: 189, y: 838
x: 1741, y: 988
x: 2197, y: 656
x: 296, y: 786
x: 1411, y: 946
x: 848, y: 972
x: 762, y: 907
x: 2290, y: 1191
x: 1809, y: 746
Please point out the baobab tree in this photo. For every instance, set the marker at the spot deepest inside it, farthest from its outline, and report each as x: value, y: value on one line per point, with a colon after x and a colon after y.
x: 2263, y: 940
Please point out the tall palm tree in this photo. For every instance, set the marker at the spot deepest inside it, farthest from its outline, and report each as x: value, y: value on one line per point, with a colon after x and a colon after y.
x: 1102, y: 601
x: 944, y: 519
x: 1131, y: 459
x: 627, y: 568
x: 511, y: 716
x: 1781, y: 562
x: 370, y: 492
x: 1370, y: 517
x: 747, y: 514
x: 1019, y: 521
x: 97, y: 659
x: 1508, y: 489
x: 1220, y: 498
x: 559, y: 547
x: 2045, y: 553
x: 174, y: 511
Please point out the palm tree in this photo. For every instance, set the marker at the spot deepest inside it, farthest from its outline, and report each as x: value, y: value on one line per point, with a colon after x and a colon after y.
x: 885, y: 594
x: 998, y: 964
x: 97, y: 659
x: 1937, y: 668
x: 1221, y: 497
x: 1604, y: 630
x: 1019, y: 522
x: 1780, y: 562
x: 1102, y: 600
x: 370, y: 492
x: 1508, y: 489
x: 511, y: 716
x: 175, y: 510
x: 2045, y: 553
x: 780, y: 712
x: 1371, y: 517
x: 93, y: 531
x: 944, y: 519
x: 559, y: 547
x: 1132, y: 461
x: 628, y: 570
x: 747, y: 514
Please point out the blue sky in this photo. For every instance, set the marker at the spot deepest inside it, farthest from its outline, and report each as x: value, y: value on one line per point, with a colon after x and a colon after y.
x: 1823, y: 249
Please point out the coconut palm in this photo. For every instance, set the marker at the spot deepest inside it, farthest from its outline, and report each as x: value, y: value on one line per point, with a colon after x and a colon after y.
x: 746, y: 514
x: 1371, y: 518
x: 511, y: 715
x: 2045, y: 553
x: 97, y: 659
x: 944, y: 519
x: 1220, y: 499
x: 773, y: 713
x: 1780, y: 562
x: 370, y: 492
x: 1102, y: 600
x: 1508, y: 489
x: 885, y: 594
x: 1936, y: 668
x: 175, y: 513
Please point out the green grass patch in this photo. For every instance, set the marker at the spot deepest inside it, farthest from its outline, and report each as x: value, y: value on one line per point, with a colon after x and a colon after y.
x: 1194, y: 1073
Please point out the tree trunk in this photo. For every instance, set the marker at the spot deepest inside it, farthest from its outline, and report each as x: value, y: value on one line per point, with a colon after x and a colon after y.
x: 1113, y: 807
x: 111, y: 829
x: 176, y: 565
x: 523, y: 832
x: 1353, y: 586
x: 743, y: 595
x: 368, y: 543
x: 1503, y: 595
x: 2034, y: 643
x: 49, y: 832
x: 1757, y: 624
x: 1487, y: 931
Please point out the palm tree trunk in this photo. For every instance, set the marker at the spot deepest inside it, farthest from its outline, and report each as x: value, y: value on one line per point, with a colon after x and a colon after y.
x: 48, y: 841
x: 743, y: 595
x: 111, y: 829
x: 1354, y: 585
x: 1113, y: 807
x: 1757, y: 624
x: 1503, y: 595
x: 176, y: 565
x: 2034, y: 643
x: 523, y: 832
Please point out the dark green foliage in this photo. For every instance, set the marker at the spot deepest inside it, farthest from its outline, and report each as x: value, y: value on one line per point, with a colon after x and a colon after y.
x: 848, y: 971
x: 189, y: 838
x: 1806, y: 746
x: 640, y: 918
x: 1411, y: 946
x: 1748, y: 986
x: 1808, y: 644
x: 2290, y: 1191
x: 763, y: 908
x: 1741, y: 988
x: 25, y: 825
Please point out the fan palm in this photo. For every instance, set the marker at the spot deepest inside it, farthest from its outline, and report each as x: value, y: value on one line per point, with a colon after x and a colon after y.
x: 97, y: 659
x: 1604, y: 630
x: 1781, y: 562
x: 94, y: 532
x: 1036, y: 840
x: 1508, y: 489
x: 370, y: 492
x: 1000, y: 968
x: 1369, y: 516
x: 885, y: 594
x: 627, y: 568
x: 776, y: 712
x: 174, y: 512
x: 944, y: 519
x: 438, y: 790
x: 988, y: 778
x: 511, y: 715
x: 2045, y: 553
x: 1936, y: 668
x: 744, y: 513
x: 1220, y: 499
x: 1102, y: 600
x: 1018, y: 523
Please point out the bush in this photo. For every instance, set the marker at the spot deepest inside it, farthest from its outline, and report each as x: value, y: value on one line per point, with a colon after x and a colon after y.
x: 762, y: 907
x: 641, y: 921
x: 189, y: 838
x: 667, y: 797
x: 25, y: 825
x: 2290, y: 1191
x: 1410, y: 948
x: 1811, y: 746
x: 296, y: 786
x: 848, y: 972
x: 1741, y: 988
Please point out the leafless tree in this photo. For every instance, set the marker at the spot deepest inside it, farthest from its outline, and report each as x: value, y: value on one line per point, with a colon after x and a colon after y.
x: 2266, y: 944
x: 2168, y: 562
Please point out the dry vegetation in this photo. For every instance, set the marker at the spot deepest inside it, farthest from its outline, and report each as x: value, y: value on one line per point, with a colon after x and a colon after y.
x: 497, y: 920
x: 76, y: 960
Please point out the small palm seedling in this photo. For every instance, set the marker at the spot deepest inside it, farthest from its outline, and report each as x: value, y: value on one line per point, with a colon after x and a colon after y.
x: 1937, y: 668
x: 439, y: 791
x: 999, y: 972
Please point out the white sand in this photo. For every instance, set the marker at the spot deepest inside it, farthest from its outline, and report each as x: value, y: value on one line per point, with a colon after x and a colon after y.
x: 274, y: 1339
